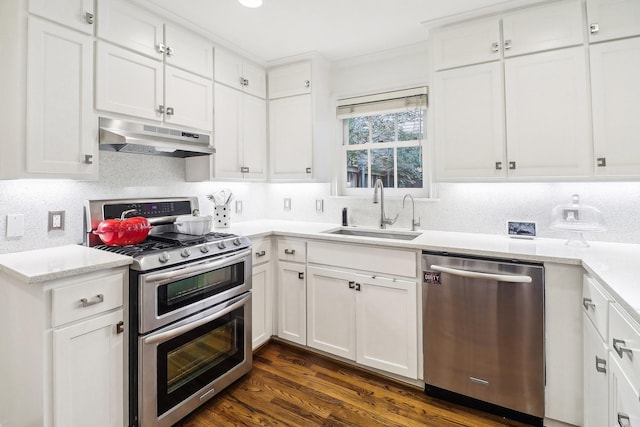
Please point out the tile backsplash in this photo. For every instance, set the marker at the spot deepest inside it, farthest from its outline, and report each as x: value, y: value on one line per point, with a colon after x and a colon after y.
x: 473, y: 208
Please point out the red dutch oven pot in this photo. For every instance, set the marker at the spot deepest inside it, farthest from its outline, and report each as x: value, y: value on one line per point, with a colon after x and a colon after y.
x: 123, y: 231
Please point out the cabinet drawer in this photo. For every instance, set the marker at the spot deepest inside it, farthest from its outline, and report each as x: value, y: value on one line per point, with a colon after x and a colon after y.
x: 595, y: 303
x: 261, y: 251
x: 84, y: 299
x: 395, y: 262
x: 624, y: 342
x: 292, y: 250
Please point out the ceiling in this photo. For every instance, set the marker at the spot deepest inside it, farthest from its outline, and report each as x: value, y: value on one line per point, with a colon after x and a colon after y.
x: 336, y: 29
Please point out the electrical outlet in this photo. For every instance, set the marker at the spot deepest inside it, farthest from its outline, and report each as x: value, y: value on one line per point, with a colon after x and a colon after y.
x: 56, y: 220
x: 287, y: 204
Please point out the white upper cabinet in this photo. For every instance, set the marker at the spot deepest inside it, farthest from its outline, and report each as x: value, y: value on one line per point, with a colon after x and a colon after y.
x: 188, y: 51
x: 290, y: 80
x: 469, y: 123
x: 611, y: 19
x: 547, y: 117
x: 615, y: 91
x: 77, y: 14
x: 128, y: 83
x: 546, y: 27
x: 61, y: 128
x: 238, y: 73
x: 467, y: 43
x: 188, y: 99
x: 134, y: 28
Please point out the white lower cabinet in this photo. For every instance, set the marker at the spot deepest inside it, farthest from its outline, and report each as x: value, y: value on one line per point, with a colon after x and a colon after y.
x: 262, y: 292
x: 369, y: 319
x: 624, y: 399
x: 596, y: 379
x: 292, y: 297
x: 88, y: 373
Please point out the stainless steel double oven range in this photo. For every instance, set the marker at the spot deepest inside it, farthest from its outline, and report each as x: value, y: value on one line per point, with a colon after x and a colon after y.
x: 188, y: 310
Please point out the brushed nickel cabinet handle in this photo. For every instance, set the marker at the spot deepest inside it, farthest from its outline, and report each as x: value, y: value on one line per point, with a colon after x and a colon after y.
x: 120, y: 327
x: 587, y: 303
x: 86, y: 303
x: 244, y: 169
x: 307, y: 83
x: 624, y: 420
x: 601, y: 365
x: 498, y: 166
x: 602, y: 162
x: 507, y: 44
x: 495, y: 47
x: 161, y: 48
x: 88, y: 159
x: 618, y: 346
x: 170, y: 51
x: 594, y: 28
x: 260, y: 254
x: 170, y: 111
x: 301, y: 276
x: 512, y: 165
x: 89, y: 17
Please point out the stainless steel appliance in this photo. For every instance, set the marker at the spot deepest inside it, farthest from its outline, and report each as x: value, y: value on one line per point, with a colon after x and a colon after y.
x: 484, y: 333
x: 188, y: 310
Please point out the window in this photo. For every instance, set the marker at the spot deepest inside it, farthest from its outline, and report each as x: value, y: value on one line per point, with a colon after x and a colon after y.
x: 383, y: 139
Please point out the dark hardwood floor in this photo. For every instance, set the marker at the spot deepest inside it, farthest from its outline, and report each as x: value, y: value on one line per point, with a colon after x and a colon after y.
x: 292, y: 387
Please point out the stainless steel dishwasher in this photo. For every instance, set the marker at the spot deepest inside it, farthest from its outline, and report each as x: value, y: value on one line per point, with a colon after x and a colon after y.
x: 483, y: 329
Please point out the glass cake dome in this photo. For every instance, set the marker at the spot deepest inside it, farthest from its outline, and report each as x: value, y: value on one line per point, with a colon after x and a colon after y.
x: 578, y: 218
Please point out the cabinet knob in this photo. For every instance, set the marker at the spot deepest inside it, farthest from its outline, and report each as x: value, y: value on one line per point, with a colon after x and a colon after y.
x: 498, y: 166
x: 602, y: 162
x: 307, y: 83
x: 88, y: 159
x: 512, y: 165
x: 601, y: 365
x: 89, y: 17
x: 495, y: 47
x: 594, y: 28
x: 170, y: 51
x: 507, y: 44
x: 161, y: 48
x: 170, y: 111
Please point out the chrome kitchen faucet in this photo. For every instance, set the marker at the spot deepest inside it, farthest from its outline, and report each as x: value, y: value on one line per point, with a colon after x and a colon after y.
x: 383, y: 218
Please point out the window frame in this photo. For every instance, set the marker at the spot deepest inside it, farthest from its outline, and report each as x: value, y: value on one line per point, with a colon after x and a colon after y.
x: 344, y: 190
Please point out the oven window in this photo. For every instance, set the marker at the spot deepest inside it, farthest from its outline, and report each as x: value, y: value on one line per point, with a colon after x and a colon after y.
x: 193, y: 360
x: 195, y: 288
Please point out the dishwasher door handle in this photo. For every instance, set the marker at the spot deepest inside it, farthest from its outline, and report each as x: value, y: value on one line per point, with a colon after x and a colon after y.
x: 478, y: 275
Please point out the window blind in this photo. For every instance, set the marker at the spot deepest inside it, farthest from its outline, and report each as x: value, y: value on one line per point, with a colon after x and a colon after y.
x: 387, y: 102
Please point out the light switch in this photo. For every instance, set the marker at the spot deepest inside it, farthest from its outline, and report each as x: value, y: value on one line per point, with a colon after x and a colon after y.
x: 15, y: 225
x: 238, y: 206
x: 287, y: 204
x: 319, y: 205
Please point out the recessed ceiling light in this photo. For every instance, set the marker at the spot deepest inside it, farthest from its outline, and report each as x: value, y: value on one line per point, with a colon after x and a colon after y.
x: 251, y: 3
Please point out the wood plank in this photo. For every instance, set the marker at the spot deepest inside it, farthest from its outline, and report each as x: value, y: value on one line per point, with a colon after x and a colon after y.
x: 289, y: 386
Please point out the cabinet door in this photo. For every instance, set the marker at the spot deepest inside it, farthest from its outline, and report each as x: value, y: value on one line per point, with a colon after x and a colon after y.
x: 546, y: 115
x: 467, y: 43
x: 188, y: 99
x: 292, y: 298
x: 545, y: 27
x: 291, y: 137
x: 331, y: 312
x: 624, y: 403
x: 126, y: 25
x: 596, y: 380
x: 615, y: 90
x: 88, y: 373
x: 188, y: 51
x: 61, y: 128
x: 261, y: 305
x: 386, y: 325
x: 227, y: 132
x: 227, y: 68
x: 290, y: 80
x: 254, y: 137
x: 128, y: 83
x: 469, y: 123
x: 77, y: 14
x: 611, y: 19
x: 256, y: 80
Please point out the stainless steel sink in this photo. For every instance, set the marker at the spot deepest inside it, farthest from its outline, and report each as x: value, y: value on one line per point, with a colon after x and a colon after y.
x: 379, y: 234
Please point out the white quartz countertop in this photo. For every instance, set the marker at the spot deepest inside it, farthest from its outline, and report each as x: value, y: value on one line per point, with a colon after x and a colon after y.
x: 43, y: 265
x: 615, y: 265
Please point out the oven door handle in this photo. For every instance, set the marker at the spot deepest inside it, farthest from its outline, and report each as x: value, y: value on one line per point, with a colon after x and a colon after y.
x: 187, y: 271
x: 166, y: 336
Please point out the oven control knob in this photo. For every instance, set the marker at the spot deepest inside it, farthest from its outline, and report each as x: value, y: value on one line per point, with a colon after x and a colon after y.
x: 237, y: 242
x: 204, y: 249
x: 186, y: 253
x: 222, y: 245
x: 164, y: 257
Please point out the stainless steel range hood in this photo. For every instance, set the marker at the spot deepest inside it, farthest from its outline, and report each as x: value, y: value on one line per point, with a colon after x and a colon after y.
x: 138, y: 138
